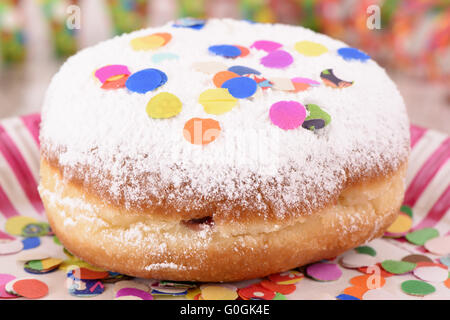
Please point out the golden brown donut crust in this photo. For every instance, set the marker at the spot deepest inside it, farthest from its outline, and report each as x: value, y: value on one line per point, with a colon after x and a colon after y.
x: 151, y: 246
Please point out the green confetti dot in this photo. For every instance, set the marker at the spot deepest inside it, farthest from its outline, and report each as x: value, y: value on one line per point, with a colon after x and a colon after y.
x: 417, y: 288
x: 366, y: 250
x: 398, y: 267
x: 419, y: 237
x: 56, y: 240
x: 406, y: 209
x: 279, y: 296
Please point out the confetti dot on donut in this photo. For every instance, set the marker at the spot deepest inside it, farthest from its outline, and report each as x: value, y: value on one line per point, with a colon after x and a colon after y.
x: 115, y: 84
x: 241, y: 87
x: 217, y: 101
x: 324, y: 271
x: 201, y: 131
x: 244, y: 51
x: 164, y: 105
x: 419, y: 237
x: 189, y: 22
x: 241, y: 70
x: 331, y: 80
x: 310, y: 48
x: 159, y: 57
x: 165, y: 35
x: 209, y: 67
x: 150, y: 42
x: 146, y: 80
x: 287, y: 115
x: 353, y: 54
x: 266, y: 45
x: 417, y: 288
x: 284, y: 84
x: 16, y: 224
x: 109, y: 71
x: 398, y: 267
x: 222, y: 76
x: 277, y: 59
x: 30, y: 288
x: 226, y: 51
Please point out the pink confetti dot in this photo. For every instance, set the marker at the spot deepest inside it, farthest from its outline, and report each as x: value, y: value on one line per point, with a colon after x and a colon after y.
x: 106, y: 72
x: 324, y: 271
x: 287, y: 114
x: 266, y: 45
x: 277, y: 59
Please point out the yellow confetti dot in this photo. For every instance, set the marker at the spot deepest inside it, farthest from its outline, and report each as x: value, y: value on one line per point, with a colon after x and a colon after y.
x: 217, y: 101
x: 15, y: 225
x: 402, y: 224
x: 164, y: 105
x: 310, y: 49
x: 192, y: 293
x: 50, y: 263
x: 218, y: 293
x: 150, y: 42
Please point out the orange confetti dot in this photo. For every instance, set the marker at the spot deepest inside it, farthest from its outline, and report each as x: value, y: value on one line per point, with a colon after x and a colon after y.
x: 201, y: 131
x: 30, y: 288
x: 281, y: 288
x: 355, y: 291
x: 115, y: 84
x: 87, y: 274
x: 368, y: 281
x: 222, y: 76
x: 244, y: 51
x: 166, y: 36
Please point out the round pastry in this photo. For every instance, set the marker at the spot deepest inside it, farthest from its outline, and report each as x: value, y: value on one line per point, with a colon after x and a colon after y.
x: 220, y: 150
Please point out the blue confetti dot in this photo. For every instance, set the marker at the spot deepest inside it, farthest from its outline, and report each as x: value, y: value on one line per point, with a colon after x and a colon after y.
x: 225, y: 50
x: 346, y: 297
x: 353, y: 54
x: 158, y: 57
x: 30, y: 243
x: 146, y: 80
x: 446, y: 260
x: 189, y: 23
x: 241, y: 70
x: 241, y: 87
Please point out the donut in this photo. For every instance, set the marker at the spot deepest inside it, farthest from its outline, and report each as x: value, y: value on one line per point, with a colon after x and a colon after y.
x: 167, y: 176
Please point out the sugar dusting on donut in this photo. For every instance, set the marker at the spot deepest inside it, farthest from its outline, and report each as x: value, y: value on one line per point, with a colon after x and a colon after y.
x: 107, y: 138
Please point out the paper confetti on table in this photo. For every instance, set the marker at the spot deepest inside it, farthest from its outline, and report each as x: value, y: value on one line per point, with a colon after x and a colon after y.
x: 419, y: 237
x: 10, y: 246
x: 133, y: 292
x: 30, y: 288
x: 417, y: 287
x: 15, y: 225
x: 324, y: 271
x: 439, y: 246
x: 398, y: 267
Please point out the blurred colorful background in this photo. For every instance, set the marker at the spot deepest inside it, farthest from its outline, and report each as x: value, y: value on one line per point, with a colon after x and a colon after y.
x: 412, y: 43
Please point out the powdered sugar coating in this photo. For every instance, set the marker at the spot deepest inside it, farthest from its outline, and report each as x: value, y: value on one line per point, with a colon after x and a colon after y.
x: 252, y: 164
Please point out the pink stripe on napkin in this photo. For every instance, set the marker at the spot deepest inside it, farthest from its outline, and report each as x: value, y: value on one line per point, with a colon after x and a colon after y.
x: 32, y: 123
x: 440, y: 207
x: 416, y: 134
x: 427, y: 173
x: 20, y: 169
x: 6, y: 207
